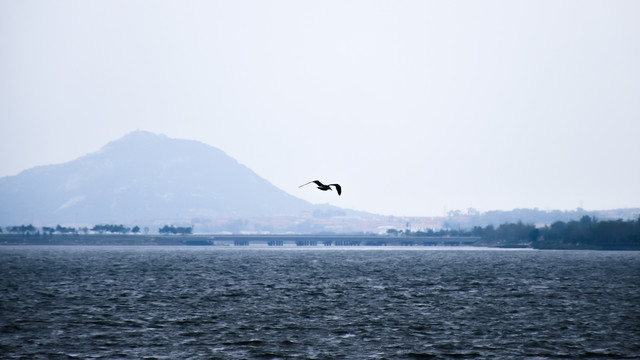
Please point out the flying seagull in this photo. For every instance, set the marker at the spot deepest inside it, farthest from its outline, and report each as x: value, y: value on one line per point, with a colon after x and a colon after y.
x: 324, y: 187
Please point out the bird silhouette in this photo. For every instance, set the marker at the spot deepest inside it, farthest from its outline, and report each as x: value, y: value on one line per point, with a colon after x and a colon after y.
x: 324, y: 187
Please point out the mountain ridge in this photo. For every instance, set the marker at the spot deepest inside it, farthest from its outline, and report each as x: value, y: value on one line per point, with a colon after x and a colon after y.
x: 143, y: 177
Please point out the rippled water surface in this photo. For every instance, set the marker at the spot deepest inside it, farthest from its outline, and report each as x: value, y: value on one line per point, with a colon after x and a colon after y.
x: 213, y: 303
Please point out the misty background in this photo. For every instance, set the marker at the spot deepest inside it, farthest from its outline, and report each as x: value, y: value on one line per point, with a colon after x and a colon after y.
x: 415, y: 107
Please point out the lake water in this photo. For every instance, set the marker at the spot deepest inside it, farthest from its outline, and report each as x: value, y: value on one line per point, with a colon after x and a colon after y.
x: 242, y: 303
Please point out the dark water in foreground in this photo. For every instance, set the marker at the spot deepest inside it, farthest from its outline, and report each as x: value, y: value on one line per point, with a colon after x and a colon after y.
x: 213, y: 303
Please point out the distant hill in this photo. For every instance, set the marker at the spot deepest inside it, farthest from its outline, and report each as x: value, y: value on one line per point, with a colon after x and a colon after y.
x: 142, y: 177
x: 458, y: 220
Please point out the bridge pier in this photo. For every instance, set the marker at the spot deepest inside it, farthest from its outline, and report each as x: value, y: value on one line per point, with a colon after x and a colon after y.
x: 347, y: 242
x: 306, y: 243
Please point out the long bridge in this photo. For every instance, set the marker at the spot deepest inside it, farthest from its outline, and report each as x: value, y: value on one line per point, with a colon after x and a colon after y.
x: 234, y: 240
x: 338, y: 240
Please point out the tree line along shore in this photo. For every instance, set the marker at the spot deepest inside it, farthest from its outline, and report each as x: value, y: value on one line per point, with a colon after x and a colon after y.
x: 97, y: 229
x: 586, y: 233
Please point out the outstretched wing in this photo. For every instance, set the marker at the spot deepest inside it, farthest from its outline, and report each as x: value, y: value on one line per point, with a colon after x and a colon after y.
x: 314, y: 181
x: 338, y: 188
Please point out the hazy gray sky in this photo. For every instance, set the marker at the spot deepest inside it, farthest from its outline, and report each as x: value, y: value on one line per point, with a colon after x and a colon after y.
x: 413, y: 106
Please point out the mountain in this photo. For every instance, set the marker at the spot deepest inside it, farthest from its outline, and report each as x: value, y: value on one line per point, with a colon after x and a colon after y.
x: 142, y: 177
